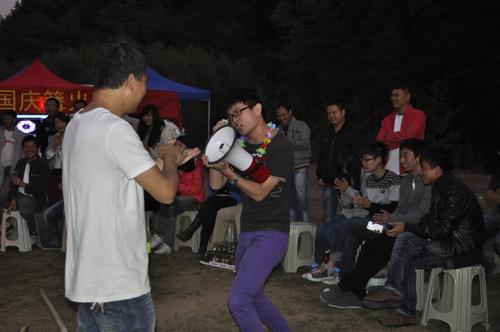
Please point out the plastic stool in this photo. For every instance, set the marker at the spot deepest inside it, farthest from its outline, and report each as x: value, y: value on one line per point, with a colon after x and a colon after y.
x: 231, y: 233
x: 186, y: 218
x: 454, y: 307
x: 377, y: 280
x: 20, y: 237
x: 293, y: 257
x: 149, y: 215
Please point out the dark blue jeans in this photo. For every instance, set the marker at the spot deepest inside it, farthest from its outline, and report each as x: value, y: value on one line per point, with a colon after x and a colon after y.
x: 330, y: 201
x: 411, y: 252
x: 51, y: 217
x: 299, y: 203
x: 168, y: 214
x: 27, y: 206
x: 256, y: 255
x: 137, y: 314
x: 321, y: 243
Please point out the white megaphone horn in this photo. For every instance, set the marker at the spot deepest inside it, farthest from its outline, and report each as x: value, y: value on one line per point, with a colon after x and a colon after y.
x: 223, y: 145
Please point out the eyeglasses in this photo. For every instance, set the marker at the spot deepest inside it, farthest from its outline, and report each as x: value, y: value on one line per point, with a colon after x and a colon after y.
x: 363, y: 160
x: 236, y: 113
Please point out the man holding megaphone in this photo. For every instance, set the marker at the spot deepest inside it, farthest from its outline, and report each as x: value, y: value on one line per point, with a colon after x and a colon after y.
x: 265, y: 219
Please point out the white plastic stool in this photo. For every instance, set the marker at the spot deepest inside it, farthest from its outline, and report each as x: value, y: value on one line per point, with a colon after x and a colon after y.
x: 293, y: 257
x: 231, y: 233
x: 186, y: 218
x: 454, y: 307
x: 149, y: 215
x: 20, y: 237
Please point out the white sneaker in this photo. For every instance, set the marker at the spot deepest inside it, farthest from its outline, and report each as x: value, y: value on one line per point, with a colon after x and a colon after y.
x: 333, y: 281
x: 155, y: 241
x: 163, y: 249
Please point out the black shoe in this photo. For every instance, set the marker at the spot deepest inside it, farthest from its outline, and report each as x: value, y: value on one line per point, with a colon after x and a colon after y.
x: 201, y: 253
x: 9, y: 229
x: 51, y: 246
x: 34, y: 234
x: 187, y: 234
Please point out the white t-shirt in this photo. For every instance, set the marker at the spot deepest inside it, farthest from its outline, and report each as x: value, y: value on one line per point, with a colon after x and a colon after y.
x: 8, y: 148
x: 393, y: 161
x: 106, y: 258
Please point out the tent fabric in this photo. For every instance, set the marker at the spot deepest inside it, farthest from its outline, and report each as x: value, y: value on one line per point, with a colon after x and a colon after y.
x: 26, y: 92
x: 185, y: 93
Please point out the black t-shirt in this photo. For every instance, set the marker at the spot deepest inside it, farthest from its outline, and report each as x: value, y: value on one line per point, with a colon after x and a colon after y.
x: 273, y: 212
x: 495, y: 182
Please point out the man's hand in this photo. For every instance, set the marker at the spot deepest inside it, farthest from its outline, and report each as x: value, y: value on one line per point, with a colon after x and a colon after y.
x: 341, y: 184
x: 221, y: 166
x: 398, y: 227
x: 381, y: 218
x: 321, y: 183
x: 12, y: 206
x: 219, y: 124
x: 18, y: 182
x: 364, y: 202
x: 170, y: 150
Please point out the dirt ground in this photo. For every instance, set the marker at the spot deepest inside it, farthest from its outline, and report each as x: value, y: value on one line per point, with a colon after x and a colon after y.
x: 189, y: 296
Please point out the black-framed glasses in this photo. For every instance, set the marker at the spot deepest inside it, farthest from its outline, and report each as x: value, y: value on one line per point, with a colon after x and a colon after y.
x: 236, y: 113
x: 366, y: 160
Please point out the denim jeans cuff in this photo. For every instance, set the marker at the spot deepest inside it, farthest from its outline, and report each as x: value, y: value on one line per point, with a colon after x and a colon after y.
x: 395, y: 290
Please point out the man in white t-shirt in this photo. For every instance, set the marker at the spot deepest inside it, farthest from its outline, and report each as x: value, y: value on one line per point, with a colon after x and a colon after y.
x: 10, y: 149
x: 105, y: 170
x: 405, y: 122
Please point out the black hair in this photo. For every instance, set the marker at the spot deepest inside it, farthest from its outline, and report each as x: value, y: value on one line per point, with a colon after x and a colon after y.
x: 115, y: 60
x: 29, y: 138
x: 439, y: 156
x: 53, y: 99
x: 285, y: 105
x: 62, y: 117
x: 79, y: 101
x: 352, y: 164
x: 184, y: 139
x: 335, y: 102
x: 11, y: 113
x: 403, y: 86
x: 245, y: 94
x: 191, y: 164
x: 377, y: 149
x: 415, y: 145
x: 158, y: 123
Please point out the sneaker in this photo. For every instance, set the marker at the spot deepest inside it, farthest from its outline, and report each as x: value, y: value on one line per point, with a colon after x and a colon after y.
x: 155, y: 241
x: 333, y: 281
x: 339, y: 299
x: 321, y: 274
x: 34, y: 234
x: 205, y: 260
x: 51, y: 246
x: 163, y: 249
x: 314, y: 268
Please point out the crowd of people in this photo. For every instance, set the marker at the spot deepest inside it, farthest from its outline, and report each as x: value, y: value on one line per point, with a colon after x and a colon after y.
x: 398, y: 198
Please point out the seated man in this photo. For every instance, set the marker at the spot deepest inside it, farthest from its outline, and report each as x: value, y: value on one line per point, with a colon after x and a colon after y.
x: 380, y: 193
x: 30, y: 184
x: 492, y: 219
x: 190, y: 195
x: 414, y: 200
x: 451, y: 236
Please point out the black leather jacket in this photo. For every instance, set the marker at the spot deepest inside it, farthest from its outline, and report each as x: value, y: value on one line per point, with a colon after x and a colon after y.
x: 455, y: 219
x: 332, y: 143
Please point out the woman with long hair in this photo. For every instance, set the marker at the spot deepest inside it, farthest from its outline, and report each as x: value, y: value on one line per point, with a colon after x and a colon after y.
x: 152, y: 130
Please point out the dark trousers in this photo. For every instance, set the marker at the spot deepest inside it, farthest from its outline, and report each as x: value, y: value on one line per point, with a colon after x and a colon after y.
x: 374, y: 255
x: 208, y: 213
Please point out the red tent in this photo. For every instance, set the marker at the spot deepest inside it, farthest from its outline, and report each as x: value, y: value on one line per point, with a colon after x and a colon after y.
x: 27, y: 91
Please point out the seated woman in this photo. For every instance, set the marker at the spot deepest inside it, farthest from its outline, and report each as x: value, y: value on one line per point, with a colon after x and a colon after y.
x: 152, y: 130
x: 190, y: 195
x: 54, y: 156
x: 227, y: 196
x: 349, y: 166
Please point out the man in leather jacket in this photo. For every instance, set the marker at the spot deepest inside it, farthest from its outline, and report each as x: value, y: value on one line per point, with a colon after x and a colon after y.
x: 451, y: 236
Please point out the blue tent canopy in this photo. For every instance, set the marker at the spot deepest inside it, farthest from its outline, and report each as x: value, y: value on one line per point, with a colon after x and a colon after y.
x: 185, y: 93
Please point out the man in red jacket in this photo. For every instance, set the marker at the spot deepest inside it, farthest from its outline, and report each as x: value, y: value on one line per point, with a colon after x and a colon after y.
x: 405, y: 122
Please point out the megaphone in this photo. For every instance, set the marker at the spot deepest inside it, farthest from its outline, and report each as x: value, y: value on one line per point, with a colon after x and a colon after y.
x: 223, y: 145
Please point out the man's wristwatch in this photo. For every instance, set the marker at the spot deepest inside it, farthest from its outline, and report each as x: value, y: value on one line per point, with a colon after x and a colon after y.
x: 233, y: 182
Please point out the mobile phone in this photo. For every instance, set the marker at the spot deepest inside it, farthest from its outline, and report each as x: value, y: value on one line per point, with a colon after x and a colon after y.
x: 388, y: 226
x: 374, y: 227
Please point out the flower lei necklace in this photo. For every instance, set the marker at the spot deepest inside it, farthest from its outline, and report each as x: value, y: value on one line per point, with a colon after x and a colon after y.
x: 261, y: 151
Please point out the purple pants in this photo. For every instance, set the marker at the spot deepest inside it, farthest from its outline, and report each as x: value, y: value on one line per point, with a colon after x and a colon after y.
x: 256, y: 256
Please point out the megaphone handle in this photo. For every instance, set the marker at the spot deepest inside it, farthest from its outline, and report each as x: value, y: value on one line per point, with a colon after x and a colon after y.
x: 259, y: 163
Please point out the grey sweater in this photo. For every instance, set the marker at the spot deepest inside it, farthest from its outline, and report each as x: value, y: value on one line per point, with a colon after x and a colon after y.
x: 413, y: 203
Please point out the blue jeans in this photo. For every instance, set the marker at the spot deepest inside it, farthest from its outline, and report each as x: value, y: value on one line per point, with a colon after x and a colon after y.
x: 51, y: 217
x: 137, y: 314
x: 168, y: 214
x: 321, y: 243
x: 7, y: 172
x: 330, y: 201
x: 492, y: 228
x: 256, y: 255
x: 411, y: 252
x: 299, y: 204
